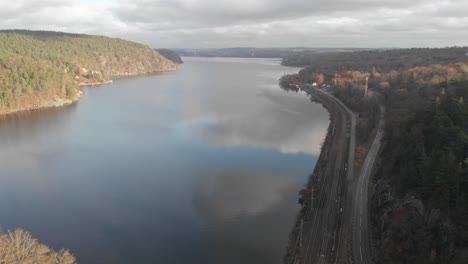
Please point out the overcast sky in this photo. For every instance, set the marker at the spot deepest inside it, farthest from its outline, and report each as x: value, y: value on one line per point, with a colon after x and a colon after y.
x: 260, y: 23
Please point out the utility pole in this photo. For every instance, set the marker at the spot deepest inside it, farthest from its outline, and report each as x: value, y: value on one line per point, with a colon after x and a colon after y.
x: 367, y: 86
x: 300, y: 235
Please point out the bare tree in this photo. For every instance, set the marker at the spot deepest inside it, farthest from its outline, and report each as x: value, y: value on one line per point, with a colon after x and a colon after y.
x: 19, y: 247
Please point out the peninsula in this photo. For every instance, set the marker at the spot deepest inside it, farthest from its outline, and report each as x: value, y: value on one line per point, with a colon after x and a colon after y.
x: 44, y: 69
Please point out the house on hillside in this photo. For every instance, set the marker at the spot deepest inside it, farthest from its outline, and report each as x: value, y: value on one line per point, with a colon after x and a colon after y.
x: 84, y: 71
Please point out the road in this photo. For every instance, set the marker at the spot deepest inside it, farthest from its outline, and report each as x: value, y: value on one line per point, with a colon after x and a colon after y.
x: 336, y: 227
x: 321, y: 229
x: 360, y: 228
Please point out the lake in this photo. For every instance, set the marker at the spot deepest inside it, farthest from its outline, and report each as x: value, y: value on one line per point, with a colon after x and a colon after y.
x: 200, y: 165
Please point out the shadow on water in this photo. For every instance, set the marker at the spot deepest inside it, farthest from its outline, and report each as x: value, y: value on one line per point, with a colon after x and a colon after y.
x: 22, y: 126
x: 37, y: 115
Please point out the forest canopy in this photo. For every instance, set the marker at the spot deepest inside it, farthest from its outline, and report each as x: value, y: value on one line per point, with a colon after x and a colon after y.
x: 377, y: 60
x: 171, y: 55
x: 39, y: 66
x: 420, y: 198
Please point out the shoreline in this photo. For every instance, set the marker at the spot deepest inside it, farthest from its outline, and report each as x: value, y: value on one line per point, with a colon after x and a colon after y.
x: 94, y: 83
x: 293, y: 244
x: 58, y: 102
x: 327, y: 193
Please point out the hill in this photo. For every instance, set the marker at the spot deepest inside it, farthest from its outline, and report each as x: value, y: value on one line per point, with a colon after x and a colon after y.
x: 380, y: 60
x: 419, y: 193
x: 42, y: 68
x: 248, y: 52
x: 170, y: 55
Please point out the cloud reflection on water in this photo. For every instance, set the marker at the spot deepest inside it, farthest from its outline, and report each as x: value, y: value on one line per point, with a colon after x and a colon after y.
x: 248, y: 109
x: 111, y: 177
x: 249, y: 215
x: 287, y: 127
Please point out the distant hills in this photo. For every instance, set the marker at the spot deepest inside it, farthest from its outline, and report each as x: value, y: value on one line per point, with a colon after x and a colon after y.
x: 44, y: 68
x: 43, y: 34
x: 250, y: 52
x: 381, y: 59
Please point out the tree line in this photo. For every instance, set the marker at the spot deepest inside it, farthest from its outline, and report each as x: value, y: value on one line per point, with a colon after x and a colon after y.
x: 420, y: 198
x: 36, y: 66
x: 375, y: 60
x: 170, y: 55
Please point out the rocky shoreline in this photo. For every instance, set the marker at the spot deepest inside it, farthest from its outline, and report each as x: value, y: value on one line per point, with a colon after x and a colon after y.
x: 61, y: 102
x: 51, y: 103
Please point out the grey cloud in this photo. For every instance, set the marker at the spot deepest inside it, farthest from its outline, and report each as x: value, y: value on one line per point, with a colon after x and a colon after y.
x: 12, y: 8
x: 58, y: 15
x: 358, y: 23
x: 446, y: 9
x: 264, y: 23
x: 216, y: 13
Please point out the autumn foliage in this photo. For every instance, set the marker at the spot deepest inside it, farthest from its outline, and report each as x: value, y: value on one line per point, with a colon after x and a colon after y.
x: 19, y: 247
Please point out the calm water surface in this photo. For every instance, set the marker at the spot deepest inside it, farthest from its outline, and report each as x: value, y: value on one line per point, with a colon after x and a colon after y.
x: 201, y: 165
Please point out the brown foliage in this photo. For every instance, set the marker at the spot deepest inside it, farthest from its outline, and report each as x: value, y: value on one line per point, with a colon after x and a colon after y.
x: 320, y: 79
x: 19, y: 247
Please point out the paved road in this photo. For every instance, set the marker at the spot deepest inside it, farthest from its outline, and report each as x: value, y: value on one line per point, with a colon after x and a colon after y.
x: 354, y: 244
x: 323, y: 221
x: 360, y: 230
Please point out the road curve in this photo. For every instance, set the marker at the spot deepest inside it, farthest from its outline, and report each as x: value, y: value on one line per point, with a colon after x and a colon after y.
x: 337, y: 227
x: 343, y: 254
x: 322, y: 224
x: 361, y: 246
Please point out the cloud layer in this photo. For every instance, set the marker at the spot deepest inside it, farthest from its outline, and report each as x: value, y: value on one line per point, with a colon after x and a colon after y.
x: 264, y: 23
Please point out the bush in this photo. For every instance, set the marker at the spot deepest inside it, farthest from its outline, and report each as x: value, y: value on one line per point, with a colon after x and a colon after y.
x: 19, y: 247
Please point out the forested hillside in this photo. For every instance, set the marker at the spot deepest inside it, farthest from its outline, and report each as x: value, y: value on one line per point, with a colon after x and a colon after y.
x: 377, y: 60
x: 419, y: 202
x: 39, y: 69
x: 171, y: 55
x: 246, y: 52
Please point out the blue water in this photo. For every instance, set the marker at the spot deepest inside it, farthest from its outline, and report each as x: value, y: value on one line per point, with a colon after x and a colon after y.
x: 201, y: 165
